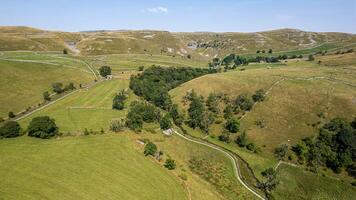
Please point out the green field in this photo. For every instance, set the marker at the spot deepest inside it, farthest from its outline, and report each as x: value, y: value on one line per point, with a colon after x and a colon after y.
x: 299, y: 184
x: 128, y: 62
x: 91, y: 167
x: 24, y: 76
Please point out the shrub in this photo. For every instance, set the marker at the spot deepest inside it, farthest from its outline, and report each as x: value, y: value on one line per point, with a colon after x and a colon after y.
x: 105, y: 71
x: 57, y: 87
x: 11, y: 115
x: 46, y: 96
x: 10, y: 129
x: 141, y: 68
x: 311, y: 58
x: 243, y: 102
x: 232, y: 125
x: 150, y: 149
x: 251, y: 147
x: 281, y: 151
x: 259, y: 96
x: 241, y: 140
x: 117, y: 125
x: 170, y: 164
x: 225, y: 137
x: 42, y: 127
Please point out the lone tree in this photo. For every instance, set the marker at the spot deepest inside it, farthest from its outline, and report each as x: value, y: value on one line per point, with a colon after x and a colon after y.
x: 65, y: 51
x: 270, y: 51
x: 46, y: 96
x: 170, y: 164
x: 119, y: 101
x: 150, y: 149
x: 10, y: 129
x: 105, y: 71
x: 232, y: 125
x: 11, y: 114
x: 42, y: 127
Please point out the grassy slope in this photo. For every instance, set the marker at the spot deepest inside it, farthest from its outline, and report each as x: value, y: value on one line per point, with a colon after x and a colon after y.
x: 93, y: 167
x: 299, y: 184
x: 289, y: 109
x: 126, y: 62
x: 96, y: 113
x: 23, y: 81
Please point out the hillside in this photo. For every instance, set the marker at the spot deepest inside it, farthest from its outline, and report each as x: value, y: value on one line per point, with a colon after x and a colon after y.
x: 200, y: 45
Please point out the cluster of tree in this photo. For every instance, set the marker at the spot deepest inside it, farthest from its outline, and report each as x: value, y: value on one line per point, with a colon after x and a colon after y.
x: 105, y: 71
x: 269, y: 181
x: 231, y: 61
x: 145, y: 112
x: 154, y: 83
x: 40, y: 127
x: 152, y: 150
x: 119, y: 100
x: 335, y: 147
x: 264, y: 51
x: 272, y: 59
x: 58, y: 88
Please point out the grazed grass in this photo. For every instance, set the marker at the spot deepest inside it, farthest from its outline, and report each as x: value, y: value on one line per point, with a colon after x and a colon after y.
x: 90, y: 167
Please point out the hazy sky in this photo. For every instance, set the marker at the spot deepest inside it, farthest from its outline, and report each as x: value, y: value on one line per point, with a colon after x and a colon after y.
x: 181, y: 15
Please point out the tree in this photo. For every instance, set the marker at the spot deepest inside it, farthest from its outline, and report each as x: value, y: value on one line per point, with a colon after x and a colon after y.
x: 258, y: 51
x: 263, y: 51
x: 270, y: 51
x: 57, y: 87
x: 10, y: 129
x: 177, y: 117
x: 46, y: 96
x: 150, y: 149
x: 11, y: 114
x: 232, y: 125
x: 70, y: 86
x: 281, y: 151
x: 251, y: 146
x: 259, y: 96
x: 134, y: 121
x: 119, y: 101
x: 241, y: 140
x: 42, y: 127
x: 65, y: 51
x: 196, y: 112
x: 243, y: 102
x: 165, y: 123
x: 212, y: 102
x: 311, y: 57
x: 189, y: 56
x: 141, y: 68
x: 170, y: 164
x: 228, y: 111
x: 270, y: 180
x: 105, y: 71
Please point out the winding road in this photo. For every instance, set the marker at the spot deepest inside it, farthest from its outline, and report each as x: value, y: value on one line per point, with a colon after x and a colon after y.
x: 231, y: 157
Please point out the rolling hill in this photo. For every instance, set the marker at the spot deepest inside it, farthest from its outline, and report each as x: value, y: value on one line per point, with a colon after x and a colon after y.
x: 200, y: 45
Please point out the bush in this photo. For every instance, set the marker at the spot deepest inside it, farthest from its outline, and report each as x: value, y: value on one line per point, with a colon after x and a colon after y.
x: 251, y: 147
x: 42, y: 127
x: 105, y: 71
x: 311, y: 58
x: 232, y: 125
x: 117, y: 125
x: 141, y: 68
x: 150, y: 149
x: 259, y: 96
x: 170, y: 164
x: 241, y: 140
x: 57, y: 87
x: 225, y: 137
x: 46, y: 96
x: 10, y: 129
x: 11, y: 115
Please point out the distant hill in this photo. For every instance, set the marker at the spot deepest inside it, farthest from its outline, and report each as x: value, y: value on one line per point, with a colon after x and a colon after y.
x: 202, y: 45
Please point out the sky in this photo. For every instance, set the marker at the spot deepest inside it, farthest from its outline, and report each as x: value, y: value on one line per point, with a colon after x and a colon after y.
x: 181, y: 15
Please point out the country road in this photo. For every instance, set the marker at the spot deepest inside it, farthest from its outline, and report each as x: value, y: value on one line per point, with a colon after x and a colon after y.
x: 233, y: 160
